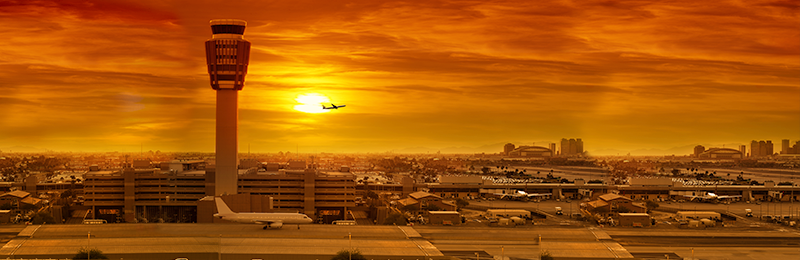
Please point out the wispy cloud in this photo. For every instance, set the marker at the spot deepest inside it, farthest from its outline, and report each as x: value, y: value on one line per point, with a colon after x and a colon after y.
x: 94, y: 75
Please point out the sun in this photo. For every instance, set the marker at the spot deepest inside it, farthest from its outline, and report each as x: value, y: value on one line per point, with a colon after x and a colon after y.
x: 311, y: 103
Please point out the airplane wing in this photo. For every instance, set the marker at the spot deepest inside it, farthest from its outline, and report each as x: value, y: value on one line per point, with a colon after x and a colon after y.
x: 729, y: 196
x: 502, y: 195
x: 266, y: 222
x: 691, y: 197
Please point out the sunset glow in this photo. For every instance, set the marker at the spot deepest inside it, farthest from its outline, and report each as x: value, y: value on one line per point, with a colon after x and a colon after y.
x: 311, y: 103
x: 422, y: 76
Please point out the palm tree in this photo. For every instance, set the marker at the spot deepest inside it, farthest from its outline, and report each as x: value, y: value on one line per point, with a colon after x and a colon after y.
x: 345, y: 254
x: 85, y: 253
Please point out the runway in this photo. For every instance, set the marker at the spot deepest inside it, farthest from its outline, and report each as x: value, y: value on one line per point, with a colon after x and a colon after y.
x: 209, y: 241
x: 242, y: 241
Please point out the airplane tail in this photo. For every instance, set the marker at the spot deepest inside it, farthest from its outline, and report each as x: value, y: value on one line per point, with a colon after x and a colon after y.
x: 222, y: 208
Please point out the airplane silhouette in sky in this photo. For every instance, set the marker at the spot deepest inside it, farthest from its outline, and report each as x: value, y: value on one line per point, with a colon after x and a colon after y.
x: 333, y: 106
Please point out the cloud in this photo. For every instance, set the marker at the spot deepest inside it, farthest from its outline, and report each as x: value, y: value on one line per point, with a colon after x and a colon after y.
x: 87, y: 10
x: 116, y: 74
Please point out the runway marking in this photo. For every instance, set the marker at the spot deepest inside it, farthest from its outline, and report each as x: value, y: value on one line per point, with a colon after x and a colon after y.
x: 404, y: 232
x: 12, y: 246
x: 410, y: 232
x: 601, y: 236
x: 414, y: 236
x: 28, y: 231
x: 413, y: 241
x: 608, y: 242
x: 612, y: 251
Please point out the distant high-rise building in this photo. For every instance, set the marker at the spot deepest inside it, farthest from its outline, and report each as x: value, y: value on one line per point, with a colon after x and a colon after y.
x: 508, y: 148
x: 698, y: 150
x: 553, y: 148
x: 743, y: 150
x: 227, y: 57
x: 571, y: 147
x: 769, y: 149
x: 761, y: 148
x: 795, y: 149
x: 785, y: 146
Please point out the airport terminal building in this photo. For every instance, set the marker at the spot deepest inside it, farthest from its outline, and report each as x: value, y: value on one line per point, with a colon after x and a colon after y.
x: 172, y: 192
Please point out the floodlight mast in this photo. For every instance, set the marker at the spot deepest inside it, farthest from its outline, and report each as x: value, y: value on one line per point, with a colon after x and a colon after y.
x: 227, y: 56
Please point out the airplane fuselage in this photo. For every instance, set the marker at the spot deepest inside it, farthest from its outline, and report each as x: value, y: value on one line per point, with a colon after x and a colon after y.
x: 711, y: 197
x: 333, y: 106
x: 259, y: 218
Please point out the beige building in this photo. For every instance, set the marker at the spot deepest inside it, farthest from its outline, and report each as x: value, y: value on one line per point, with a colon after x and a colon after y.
x: 531, y: 151
x: 634, y: 219
x: 508, y: 148
x: 720, y: 153
x: 171, y: 194
x: 698, y: 150
x: 610, y: 203
x: 444, y: 218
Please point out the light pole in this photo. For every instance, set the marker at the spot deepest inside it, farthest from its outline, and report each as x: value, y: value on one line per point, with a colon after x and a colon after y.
x: 350, y: 240
x: 540, y: 245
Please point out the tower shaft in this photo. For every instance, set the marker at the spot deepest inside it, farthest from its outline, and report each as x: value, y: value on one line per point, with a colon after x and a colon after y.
x: 227, y: 148
x: 227, y: 56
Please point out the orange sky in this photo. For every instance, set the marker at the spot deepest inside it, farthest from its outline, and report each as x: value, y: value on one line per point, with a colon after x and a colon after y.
x: 418, y: 76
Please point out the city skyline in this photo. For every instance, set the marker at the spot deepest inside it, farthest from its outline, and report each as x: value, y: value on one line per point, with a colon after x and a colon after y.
x: 424, y: 75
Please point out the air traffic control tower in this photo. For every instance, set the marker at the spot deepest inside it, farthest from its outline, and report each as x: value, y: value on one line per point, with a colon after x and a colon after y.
x: 227, y: 55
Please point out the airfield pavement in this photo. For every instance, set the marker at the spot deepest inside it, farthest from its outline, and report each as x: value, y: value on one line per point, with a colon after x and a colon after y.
x: 563, y: 237
x: 243, y: 241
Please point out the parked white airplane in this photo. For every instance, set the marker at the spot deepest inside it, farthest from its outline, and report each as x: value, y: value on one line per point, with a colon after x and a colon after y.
x: 710, y: 196
x: 521, y: 195
x: 269, y: 220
